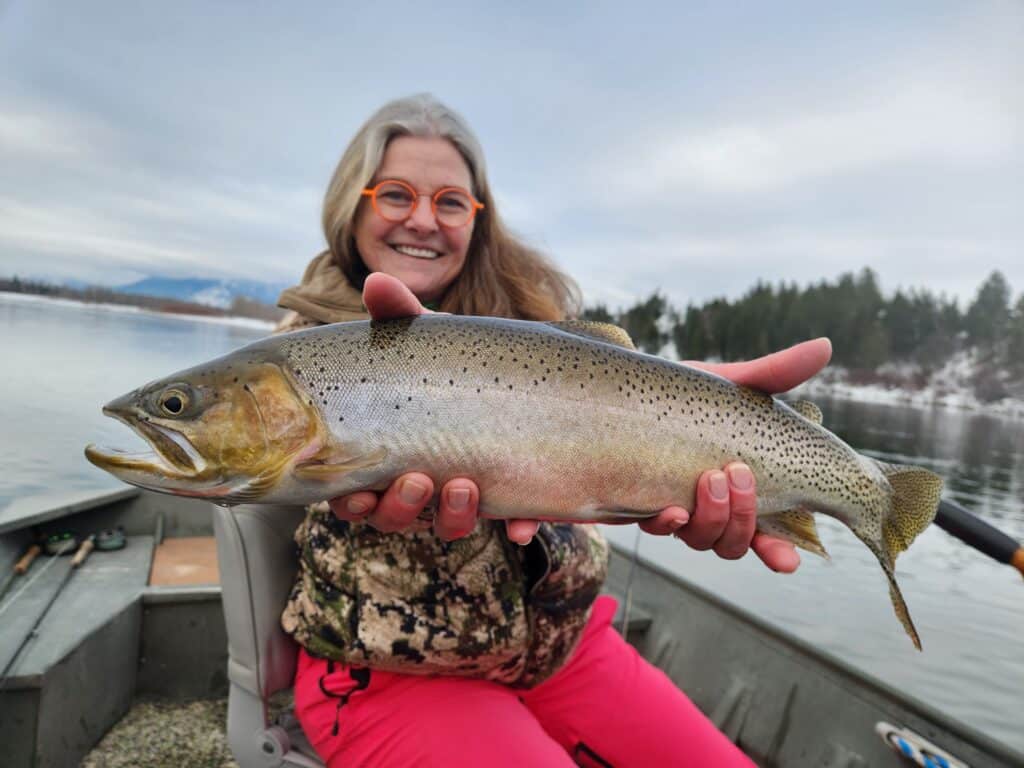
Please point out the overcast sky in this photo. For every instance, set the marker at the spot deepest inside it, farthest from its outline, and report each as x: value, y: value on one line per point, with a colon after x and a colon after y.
x: 686, y: 147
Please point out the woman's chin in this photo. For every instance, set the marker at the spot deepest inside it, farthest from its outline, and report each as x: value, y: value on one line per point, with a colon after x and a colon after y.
x: 426, y: 284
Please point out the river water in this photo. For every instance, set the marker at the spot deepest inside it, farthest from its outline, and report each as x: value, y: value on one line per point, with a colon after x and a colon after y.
x: 62, y: 360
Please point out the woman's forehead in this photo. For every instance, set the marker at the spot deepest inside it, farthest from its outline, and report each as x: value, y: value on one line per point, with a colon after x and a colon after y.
x: 421, y: 160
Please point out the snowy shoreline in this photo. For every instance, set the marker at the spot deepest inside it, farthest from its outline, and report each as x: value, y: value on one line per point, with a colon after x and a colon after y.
x: 949, y: 388
x: 243, y: 322
x: 922, y: 400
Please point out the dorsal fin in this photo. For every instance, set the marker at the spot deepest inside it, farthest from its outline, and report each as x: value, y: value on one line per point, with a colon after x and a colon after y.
x: 591, y: 329
x: 808, y: 410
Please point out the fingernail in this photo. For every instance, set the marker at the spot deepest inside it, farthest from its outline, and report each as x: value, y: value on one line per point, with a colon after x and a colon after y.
x: 458, y: 498
x: 412, y: 492
x: 680, y: 521
x: 719, y: 486
x: 355, y: 507
x: 741, y: 477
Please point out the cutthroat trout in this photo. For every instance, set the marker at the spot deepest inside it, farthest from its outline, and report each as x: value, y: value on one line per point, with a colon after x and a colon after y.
x: 556, y: 421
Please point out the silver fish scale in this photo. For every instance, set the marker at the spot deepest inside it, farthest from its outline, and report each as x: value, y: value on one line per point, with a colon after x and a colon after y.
x: 523, y: 407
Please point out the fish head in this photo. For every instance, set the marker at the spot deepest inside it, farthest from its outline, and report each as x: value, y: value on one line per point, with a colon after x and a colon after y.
x: 226, y: 431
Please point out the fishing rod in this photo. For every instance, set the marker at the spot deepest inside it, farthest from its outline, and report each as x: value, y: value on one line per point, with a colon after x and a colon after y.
x: 20, y: 568
x: 975, y: 532
x: 83, y: 552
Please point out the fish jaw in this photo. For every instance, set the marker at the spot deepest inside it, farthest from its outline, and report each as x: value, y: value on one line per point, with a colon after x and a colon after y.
x: 172, y: 466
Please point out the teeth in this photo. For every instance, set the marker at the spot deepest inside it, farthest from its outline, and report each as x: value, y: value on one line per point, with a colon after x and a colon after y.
x: 419, y: 253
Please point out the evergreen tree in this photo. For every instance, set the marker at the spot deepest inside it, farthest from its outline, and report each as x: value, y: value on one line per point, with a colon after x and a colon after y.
x: 1015, y: 339
x: 866, y: 328
x: 643, y: 321
x: 989, y: 314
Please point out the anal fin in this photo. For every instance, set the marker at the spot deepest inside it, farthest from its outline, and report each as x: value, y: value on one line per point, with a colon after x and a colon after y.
x: 795, y: 526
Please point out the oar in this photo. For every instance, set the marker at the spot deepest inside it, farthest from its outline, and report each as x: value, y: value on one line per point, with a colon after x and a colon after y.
x: 974, y: 531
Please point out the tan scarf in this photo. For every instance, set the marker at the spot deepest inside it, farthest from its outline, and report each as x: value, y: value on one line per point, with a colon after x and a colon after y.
x: 324, y: 294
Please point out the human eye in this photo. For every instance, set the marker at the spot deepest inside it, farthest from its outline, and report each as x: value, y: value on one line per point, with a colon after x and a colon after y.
x: 395, y: 194
x: 452, y: 200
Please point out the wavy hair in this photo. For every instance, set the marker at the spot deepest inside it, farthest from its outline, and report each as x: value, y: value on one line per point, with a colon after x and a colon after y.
x: 502, y: 276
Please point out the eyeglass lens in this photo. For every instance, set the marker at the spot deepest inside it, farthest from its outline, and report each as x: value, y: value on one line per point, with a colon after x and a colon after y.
x: 395, y: 202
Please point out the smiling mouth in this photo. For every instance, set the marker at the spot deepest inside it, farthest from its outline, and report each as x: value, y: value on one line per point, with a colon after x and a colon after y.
x: 416, y: 253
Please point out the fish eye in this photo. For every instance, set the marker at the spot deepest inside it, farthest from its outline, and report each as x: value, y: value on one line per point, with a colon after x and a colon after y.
x: 173, y: 402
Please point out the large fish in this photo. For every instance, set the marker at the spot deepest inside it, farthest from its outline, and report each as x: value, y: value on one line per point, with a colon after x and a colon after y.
x: 558, y: 421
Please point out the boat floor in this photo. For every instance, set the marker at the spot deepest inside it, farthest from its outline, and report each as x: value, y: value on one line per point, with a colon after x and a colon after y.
x: 190, y: 560
x: 160, y: 733
x: 163, y: 734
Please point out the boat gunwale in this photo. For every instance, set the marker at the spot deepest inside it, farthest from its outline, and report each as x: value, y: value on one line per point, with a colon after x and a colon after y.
x: 77, y: 505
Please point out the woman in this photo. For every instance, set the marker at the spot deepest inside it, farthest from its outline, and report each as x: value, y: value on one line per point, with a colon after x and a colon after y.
x: 476, y: 642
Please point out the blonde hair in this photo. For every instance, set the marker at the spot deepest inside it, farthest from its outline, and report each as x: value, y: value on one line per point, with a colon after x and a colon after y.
x: 502, y: 276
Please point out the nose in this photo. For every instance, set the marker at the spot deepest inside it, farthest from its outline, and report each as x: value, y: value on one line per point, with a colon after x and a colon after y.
x: 422, y: 218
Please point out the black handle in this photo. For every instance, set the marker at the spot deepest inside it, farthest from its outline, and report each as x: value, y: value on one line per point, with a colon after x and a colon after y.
x: 974, y: 531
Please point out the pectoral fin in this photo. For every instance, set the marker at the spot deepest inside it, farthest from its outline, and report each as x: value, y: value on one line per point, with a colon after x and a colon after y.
x: 796, y: 526
x: 335, y: 461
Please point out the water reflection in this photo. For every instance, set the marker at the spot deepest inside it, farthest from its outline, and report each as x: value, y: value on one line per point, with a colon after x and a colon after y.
x: 979, y: 456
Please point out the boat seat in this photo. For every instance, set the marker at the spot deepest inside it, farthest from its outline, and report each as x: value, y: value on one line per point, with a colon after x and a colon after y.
x: 257, y: 560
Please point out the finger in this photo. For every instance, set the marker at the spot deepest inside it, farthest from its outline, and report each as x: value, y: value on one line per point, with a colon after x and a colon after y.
x: 735, y: 539
x: 777, y: 554
x: 457, y: 512
x: 521, y: 531
x: 666, y: 522
x: 355, y: 506
x: 711, y: 512
x: 387, y: 297
x: 779, y: 371
x: 401, y: 503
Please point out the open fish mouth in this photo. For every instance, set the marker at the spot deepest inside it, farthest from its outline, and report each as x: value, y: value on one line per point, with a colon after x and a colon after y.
x: 173, y: 455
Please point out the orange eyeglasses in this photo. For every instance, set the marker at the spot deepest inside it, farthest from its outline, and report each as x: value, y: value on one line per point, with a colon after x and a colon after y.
x: 395, y: 201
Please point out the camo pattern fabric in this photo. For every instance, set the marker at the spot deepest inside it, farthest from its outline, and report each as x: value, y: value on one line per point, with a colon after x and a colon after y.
x: 558, y: 605
x: 408, y: 602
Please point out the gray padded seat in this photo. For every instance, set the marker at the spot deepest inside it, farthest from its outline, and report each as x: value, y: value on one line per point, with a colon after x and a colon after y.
x: 256, y: 556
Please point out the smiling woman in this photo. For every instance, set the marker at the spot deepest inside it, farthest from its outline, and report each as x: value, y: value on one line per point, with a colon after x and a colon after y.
x: 403, y: 142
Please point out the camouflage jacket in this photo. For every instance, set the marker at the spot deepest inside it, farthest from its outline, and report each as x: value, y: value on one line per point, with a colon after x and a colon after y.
x: 409, y: 602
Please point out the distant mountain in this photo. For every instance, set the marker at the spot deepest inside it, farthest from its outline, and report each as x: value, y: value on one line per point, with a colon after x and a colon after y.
x: 214, y: 293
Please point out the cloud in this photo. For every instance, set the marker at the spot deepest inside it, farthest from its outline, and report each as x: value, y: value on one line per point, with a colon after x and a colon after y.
x: 939, y: 119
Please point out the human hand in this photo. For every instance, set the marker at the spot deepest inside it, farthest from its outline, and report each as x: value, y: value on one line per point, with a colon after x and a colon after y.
x: 725, y: 514
x: 405, y: 499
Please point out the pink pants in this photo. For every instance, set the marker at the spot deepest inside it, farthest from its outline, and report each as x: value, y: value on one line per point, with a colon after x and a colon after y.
x: 606, y: 707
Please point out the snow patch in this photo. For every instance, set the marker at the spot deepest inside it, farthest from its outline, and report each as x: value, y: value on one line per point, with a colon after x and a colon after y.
x: 951, y: 386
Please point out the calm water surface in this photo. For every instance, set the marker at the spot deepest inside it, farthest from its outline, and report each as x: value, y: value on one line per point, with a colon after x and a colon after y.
x: 62, y: 361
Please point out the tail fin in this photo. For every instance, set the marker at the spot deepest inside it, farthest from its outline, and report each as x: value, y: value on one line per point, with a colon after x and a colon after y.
x: 915, y: 499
